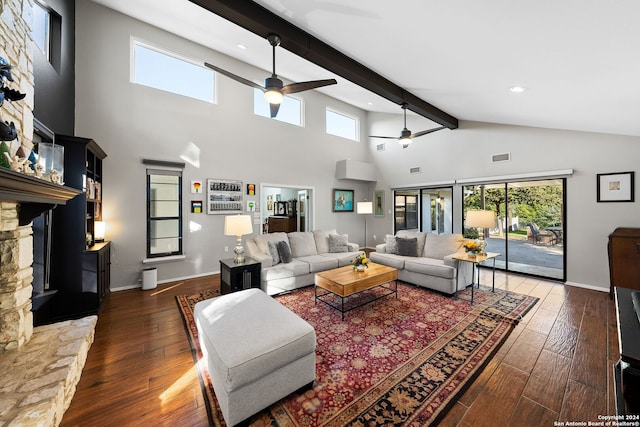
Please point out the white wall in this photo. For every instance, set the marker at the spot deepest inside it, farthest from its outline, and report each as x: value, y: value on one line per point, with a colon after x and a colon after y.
x: 131, y: 122
x: 466, y: 153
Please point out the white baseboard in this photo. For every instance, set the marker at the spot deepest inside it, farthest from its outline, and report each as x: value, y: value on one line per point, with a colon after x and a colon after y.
x: 160, y: 282
x: 585, y: 286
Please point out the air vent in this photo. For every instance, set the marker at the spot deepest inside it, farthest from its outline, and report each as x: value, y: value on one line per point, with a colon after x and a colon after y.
x: 380, y: 147
x: 505, y: 157
x: 414, y: 170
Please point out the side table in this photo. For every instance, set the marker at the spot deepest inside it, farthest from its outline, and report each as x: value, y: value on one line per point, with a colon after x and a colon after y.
x: 236, y: 277
x: 476, y: 260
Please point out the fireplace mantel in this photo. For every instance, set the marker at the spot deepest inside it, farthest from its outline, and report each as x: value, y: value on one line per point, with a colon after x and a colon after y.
x: 34, y: 195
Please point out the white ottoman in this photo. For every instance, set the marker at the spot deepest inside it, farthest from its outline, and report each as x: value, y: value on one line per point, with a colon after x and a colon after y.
x: 257, y: 351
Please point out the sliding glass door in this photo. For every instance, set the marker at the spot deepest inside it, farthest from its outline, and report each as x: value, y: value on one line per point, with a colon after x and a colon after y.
x: 530, y: 228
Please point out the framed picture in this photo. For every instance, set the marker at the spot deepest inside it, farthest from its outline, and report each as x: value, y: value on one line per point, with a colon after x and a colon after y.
x: 251, y: 189
x: 616, y: 187
x: 196, y: 206
x: 196, y: 187
x: 378, y: 203
x: 224, y: 196
x: 342, y: 200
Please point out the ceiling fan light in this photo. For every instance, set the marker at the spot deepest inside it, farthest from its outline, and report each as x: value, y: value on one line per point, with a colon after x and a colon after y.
x: 405, y: 142
x: 273, y: 97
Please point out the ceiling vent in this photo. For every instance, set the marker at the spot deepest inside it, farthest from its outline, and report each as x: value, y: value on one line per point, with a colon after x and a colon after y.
x: 414, y: 170
x: 380, y: 147
x: 504, y: 157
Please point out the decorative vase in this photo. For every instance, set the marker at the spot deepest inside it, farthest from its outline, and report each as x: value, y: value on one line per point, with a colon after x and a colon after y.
x: 471, y: 255
x: 360, y: 268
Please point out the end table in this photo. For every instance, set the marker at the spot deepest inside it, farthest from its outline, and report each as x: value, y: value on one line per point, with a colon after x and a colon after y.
x: 476, y: 260
x: 238, y: 276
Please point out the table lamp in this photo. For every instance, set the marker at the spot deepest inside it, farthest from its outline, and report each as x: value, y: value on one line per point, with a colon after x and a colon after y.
x: 99, y: 231
x: 481, y: 219
x: 238, y: 225
x: 364, y: 208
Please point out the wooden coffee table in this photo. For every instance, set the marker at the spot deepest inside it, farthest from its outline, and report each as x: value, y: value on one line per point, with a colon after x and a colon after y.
x: 345, y: 282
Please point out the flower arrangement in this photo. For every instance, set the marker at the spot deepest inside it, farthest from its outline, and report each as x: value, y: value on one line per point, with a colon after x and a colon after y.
x: 360, y: 262
x: 473, y: 247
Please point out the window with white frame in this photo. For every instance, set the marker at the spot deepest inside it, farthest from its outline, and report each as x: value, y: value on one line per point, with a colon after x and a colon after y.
x: 290, y: 110
x: 342, y: 125
x: 165, y: 71
x: 41, y: 28
x: 164, y: 212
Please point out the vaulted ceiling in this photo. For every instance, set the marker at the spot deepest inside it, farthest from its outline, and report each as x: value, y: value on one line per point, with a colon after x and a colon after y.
x: 578, y: 61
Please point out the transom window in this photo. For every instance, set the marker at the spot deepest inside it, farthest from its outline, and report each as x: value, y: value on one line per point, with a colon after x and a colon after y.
x: 342, y: 125
x: 290, y: 110
x: 41, y: 28
x: 164, y: 213
x: 162, y: 70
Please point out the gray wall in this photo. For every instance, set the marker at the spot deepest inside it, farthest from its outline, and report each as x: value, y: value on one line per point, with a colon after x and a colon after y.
x: 131, y: 122
x: 466, y: 153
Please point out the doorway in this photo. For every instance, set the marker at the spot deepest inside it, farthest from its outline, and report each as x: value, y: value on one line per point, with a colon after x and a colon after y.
x: 299, y: 206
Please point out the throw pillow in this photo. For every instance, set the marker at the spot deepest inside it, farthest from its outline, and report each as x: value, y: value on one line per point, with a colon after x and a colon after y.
x: 284, y: 251
x: 439, y: 246
x: 409, y: 234
x: 407, y: 246
x: 273, y: 251
x: 338, y: 243
x: 390, y: 244
x: 322, y: 240
x: 302, y: 244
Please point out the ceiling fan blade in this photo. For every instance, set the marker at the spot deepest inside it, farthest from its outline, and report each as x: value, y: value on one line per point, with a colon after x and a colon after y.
x: 273, y: 108
x: 234, y: 77
x: 383, y: 137
x: 302, y: 86
x: 428, y: 131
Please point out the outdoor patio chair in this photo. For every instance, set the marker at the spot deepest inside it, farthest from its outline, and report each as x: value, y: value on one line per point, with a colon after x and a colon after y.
x: 541, y: 236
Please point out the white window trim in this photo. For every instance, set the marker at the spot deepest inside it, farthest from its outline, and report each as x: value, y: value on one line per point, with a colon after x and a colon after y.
x: 347, y: 115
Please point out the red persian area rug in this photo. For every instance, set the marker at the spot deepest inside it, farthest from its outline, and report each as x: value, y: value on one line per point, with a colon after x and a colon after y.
x: 396, y: 361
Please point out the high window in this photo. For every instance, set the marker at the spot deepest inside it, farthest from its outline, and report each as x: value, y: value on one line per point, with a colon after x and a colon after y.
x: 164, y: 212
x: 290, y: 110
x: 342, y: 125
x: 162, y: 70
x: 425, y: 209
x: 41, y: 28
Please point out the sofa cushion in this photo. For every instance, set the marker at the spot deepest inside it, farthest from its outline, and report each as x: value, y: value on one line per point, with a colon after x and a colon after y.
x: 391, y: 246
x: 440, y: 245
x: 391, y: 260
x: 321, y: 238
x: 430, y: 267
x: 343, y: 258
x: 273, y: 251
x: 338, y: 243
x: 285, y: 271
x: 262, y: 240
x: 407, y: 246
x: 284, y: 251
x: 302, y: 244
x: 413, y: 233
x: 319, y: 262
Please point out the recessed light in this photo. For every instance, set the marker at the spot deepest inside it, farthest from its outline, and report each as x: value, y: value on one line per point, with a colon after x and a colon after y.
x: 369, y: 103
x: 241, y: 46
x: 517, y: 89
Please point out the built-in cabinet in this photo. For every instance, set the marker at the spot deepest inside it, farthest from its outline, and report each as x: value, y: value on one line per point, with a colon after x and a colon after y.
x: 624, y: 258
x: 80, y: 267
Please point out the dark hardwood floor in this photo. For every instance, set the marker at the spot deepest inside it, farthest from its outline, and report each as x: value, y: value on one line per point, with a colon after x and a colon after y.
x: 556, y: 365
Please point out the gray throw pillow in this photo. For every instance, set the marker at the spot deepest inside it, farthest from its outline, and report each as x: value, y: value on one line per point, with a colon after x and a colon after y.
x: 273, y: 251
x: 284, y: 251
x: 407, y: 247
x: 390, y: 244
x: 338, y: 243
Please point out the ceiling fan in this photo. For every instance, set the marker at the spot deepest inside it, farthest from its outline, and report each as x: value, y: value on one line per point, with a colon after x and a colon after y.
x: 406, y: 136
x: 273, y: 89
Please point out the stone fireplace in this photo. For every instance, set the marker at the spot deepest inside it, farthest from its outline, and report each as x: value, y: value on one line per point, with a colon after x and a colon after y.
x: 40, y: 366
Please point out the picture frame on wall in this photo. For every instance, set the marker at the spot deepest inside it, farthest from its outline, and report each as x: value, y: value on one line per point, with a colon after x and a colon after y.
x: 616, y: 187
x: 342, y: 200
x: 378, y: 203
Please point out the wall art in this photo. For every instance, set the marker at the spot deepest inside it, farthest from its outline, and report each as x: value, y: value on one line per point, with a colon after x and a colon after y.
x: 616, y: 187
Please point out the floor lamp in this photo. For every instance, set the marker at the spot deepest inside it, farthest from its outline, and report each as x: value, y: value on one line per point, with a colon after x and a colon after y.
x: 364, y: 208
x: 238, y: 225
x: 481, y: 219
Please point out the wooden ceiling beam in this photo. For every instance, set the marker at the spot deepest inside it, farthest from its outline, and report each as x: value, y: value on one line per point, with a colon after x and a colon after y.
x: 262, y: 22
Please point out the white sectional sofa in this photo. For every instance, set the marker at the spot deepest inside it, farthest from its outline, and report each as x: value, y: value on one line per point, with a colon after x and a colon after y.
x: 311, y: 252
x: 424, y: 259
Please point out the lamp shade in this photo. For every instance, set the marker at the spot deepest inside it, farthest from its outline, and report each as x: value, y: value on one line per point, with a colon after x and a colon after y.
x: 237, y: 225
x: 99, y: 230
x: 480, y: 219
x: 364, y: 208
